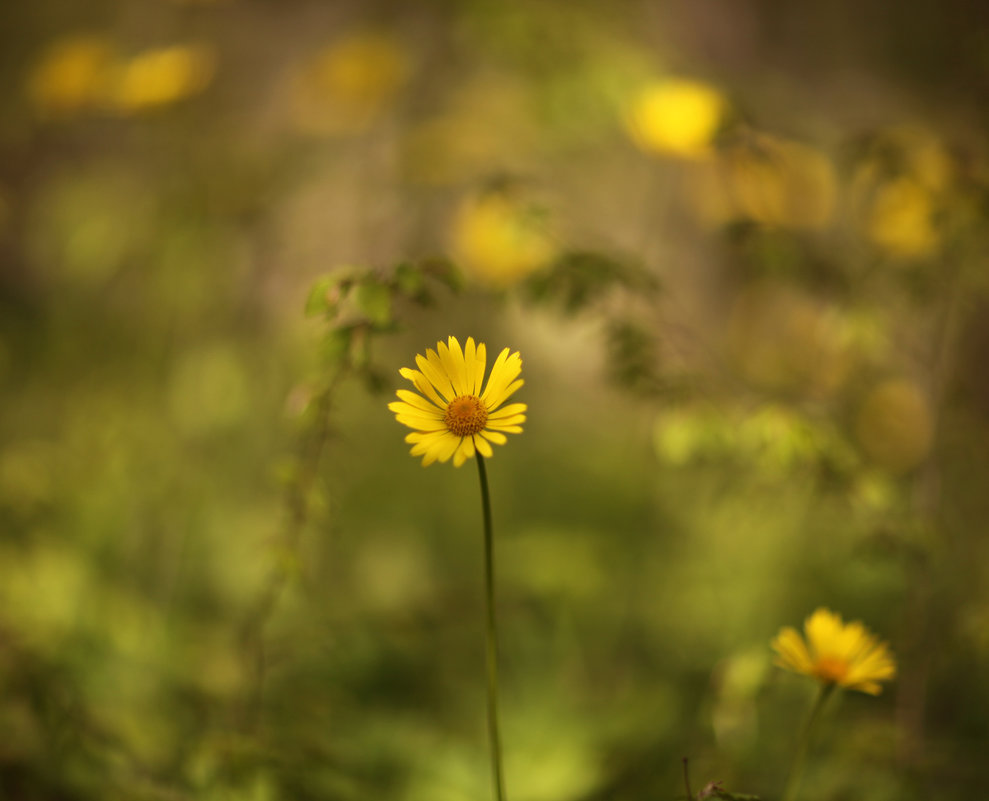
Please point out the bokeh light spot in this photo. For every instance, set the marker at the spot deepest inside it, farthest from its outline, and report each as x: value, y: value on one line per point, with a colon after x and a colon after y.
x: 677, y: 117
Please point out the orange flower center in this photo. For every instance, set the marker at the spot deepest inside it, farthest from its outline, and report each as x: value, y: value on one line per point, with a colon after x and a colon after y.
x: 831, y: 669
x: 465, y: 415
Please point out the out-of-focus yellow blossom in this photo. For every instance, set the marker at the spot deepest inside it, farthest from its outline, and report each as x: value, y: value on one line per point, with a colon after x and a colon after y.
x: 498, y: 241
x: 836, y: 653
x: 783, y: 339
x: 348, y: 84
x: 677, y: 117
x: 161, y: 76
x: 929, y: 162
x: 86, y: 74
x: 895, y: 425
x: 901, y: 221
x: 766, y: 180
x: 899, y: 190
x: 71, y: 75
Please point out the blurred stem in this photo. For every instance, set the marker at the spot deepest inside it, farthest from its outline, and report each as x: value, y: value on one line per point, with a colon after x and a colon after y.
x: 803, y: 744
x: 494, y: 734
x: 686, y: 780
x: 297, y: 513
x: 923, y: 616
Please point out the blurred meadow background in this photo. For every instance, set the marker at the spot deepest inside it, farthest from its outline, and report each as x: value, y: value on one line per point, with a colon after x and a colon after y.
x: 742, y: 249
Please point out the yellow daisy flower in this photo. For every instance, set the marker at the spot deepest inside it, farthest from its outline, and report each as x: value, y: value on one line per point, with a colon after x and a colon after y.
x: 455, y: 418
x: 848, y: 655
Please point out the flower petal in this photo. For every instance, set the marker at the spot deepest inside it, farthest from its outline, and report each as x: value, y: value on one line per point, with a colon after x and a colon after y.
x: 498, y: 397
x: 423, y: 385
x: 823, y: 630
x: 470, y: 354
x: 452, y: 358
x: 505, y: 370
x: 401, y: 407
x: 509, y: 429
x: 480, y: 363
x: 506, y: 424
x: 792, y: 651
x: 432, y: 368
x: 483, y: 446
x: 426, y: 440
x: 437, y: 447
x: 420, y: 423
x: 463, y: 452
x: 419, y: 402
x: 507, y: 411
x: 448, y: 447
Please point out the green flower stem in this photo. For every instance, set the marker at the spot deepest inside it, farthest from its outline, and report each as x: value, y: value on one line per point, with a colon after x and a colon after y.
x: 803, y: 744
x: 494, y: 734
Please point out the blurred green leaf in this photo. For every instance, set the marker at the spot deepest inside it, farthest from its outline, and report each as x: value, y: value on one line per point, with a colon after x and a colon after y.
x: 335, y: 345
x: 579, y: 278
x: 633, y: 360
x: 409, y: 279
x: 323, y: 296
x: 374, y: 302
x: 444, y: 271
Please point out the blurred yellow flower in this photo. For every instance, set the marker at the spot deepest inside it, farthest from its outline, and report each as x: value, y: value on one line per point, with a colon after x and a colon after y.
x: 71, y: 74
x: 901, y: 221
x: 455, y: 418
x: 676, y: 116
x: 347, y: 85
x: 895, y: 425
x: 768, y: 180
x: 785, y: 339
x: 160, y: 76
x: 836, y: 653
x: 499, y: 241
x: 901, y: 190
x: 86, y: 73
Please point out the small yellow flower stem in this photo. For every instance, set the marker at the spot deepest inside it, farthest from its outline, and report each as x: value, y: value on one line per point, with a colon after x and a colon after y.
x: 803, y: 744
x: 494, y: 735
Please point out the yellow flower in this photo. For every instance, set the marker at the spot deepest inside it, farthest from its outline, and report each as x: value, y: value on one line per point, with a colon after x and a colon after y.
x: 70, y: 76
x: 773, y: 181
x: 499, y: 241
x: 455, y: 418
x: 162, y: 75
x: 349, y: 84
x: 676, y: 116
x: 836, y: 653
x: 902, y: 220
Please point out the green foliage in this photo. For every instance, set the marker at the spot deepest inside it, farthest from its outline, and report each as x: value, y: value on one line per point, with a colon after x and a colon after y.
x: 356, y: 305
x: 581, y: 279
